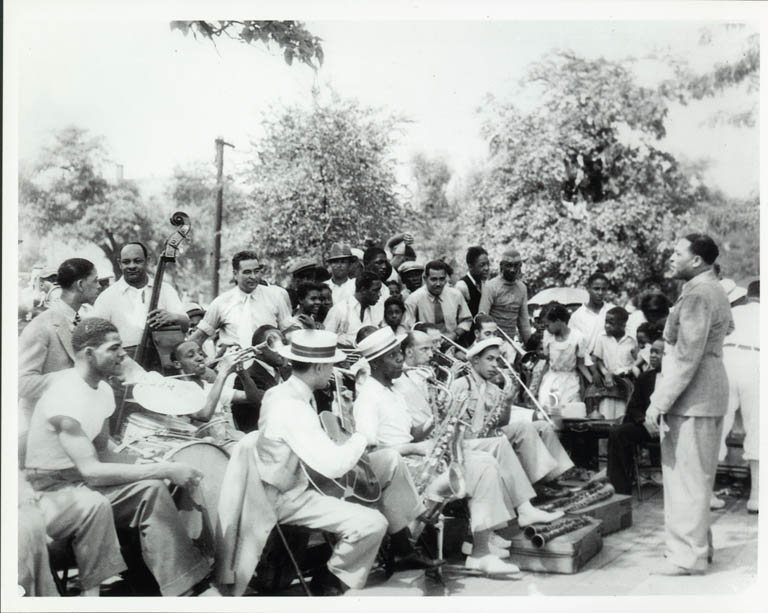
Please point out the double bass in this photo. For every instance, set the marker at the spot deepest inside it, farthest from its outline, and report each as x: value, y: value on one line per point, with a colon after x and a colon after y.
x: 156, y: 343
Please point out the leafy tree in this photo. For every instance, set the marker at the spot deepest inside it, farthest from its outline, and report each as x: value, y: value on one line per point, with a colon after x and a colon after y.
x: 577, y: 182
x: 741, y: 71
x: 435, y: 212
x: 735, y: 226
x: 65, y: 195
x: 291, y: 36
x: 321, y: 175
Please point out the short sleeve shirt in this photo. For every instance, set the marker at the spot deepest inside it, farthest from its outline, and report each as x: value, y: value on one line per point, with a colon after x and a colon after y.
x: 68, y: 395
x: 266, y: 305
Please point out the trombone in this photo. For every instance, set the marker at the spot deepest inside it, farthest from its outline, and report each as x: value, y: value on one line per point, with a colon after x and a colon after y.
x: 541, y: 410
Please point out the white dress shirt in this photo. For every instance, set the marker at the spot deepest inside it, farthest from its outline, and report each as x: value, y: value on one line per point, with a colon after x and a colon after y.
x: 420, y: 306
x: 290, y: 430
x: 381, y: 415
x: 344, y: 319
x: 237, y: 315
x: 342, y: 292
x: 127, y: 307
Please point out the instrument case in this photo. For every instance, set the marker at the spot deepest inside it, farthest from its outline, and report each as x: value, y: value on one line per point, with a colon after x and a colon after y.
x: 566, y: 554
x: 615, y: 513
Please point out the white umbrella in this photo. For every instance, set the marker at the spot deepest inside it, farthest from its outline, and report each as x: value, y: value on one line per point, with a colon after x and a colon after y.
x: 563, y: 295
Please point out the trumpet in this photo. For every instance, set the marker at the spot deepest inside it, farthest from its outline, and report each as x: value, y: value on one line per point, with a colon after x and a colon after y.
x: 273, y: 342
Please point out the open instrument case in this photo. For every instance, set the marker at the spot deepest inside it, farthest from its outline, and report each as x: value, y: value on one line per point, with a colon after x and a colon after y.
x: 565, y: 554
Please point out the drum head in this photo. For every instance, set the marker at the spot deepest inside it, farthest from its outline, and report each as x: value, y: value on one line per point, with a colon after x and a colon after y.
x: 198, y: 507
x: 170, y: 396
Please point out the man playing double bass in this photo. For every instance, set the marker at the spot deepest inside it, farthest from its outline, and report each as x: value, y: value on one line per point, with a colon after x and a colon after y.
x: 126, y: 302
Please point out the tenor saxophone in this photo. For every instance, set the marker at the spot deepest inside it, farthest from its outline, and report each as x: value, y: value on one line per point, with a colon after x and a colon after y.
x: 447, y: 436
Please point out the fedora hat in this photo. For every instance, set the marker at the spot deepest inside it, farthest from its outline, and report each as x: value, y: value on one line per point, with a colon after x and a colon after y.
x: 307, y: 264
x: 378, y: 343
x: 481, y: 346
x: 315, y: 346
x: 339, y: 251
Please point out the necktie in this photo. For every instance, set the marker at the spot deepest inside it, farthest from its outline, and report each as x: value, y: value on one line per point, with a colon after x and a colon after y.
x: 245, y: 331
x: 439, y: 318
x: 362, y: 313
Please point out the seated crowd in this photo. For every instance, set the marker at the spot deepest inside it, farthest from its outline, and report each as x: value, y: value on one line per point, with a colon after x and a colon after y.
x: 449, y: 391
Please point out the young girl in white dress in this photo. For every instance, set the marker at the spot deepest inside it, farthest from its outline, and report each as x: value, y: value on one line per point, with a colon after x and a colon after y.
x: 565, y: 349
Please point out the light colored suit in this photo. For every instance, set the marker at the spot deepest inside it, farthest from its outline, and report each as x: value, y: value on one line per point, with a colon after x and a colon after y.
x: 45, y: 347
x: 693, y: 393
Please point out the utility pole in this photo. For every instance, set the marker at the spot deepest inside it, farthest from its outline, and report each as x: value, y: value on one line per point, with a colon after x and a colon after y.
x: 219, y: 210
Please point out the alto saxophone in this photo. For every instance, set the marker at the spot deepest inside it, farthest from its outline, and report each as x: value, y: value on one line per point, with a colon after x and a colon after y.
x: 492, y: 421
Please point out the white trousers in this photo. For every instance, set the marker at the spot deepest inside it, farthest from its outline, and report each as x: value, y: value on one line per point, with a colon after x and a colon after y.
x: 743, y: 368
x: 689, y: 462
x: 358, y: 528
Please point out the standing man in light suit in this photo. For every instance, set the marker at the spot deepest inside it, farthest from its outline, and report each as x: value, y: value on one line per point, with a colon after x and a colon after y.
x: 689, y: 404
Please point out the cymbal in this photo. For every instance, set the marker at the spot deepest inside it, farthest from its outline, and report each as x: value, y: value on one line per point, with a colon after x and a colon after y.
x: 169, y: 396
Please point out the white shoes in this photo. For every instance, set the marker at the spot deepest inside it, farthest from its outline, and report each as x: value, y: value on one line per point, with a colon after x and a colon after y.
x: 715, y: 503
x: 491, y: 565
x: 537, y: 516
x: 752, y: 506
x: 500, y: 542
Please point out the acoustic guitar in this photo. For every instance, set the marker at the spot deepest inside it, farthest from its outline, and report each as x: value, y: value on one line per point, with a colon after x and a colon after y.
x: 359, y: 484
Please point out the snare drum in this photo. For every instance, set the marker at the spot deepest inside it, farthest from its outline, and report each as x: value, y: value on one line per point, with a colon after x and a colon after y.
x: 142, y: 425
x: 220, y: 430
x: 198, y: 506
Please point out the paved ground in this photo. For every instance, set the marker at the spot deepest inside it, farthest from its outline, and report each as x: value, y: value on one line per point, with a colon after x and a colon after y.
x: 622, y: 568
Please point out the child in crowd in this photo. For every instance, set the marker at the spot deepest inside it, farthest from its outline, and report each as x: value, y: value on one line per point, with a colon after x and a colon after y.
x: 565, y: 349
x: 395, y: 288
x: 644, y: 335
x: 614, y: 355
x: 394, y: 311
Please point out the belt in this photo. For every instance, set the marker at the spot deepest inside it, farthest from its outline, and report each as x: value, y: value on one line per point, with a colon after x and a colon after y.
x: 746, y: 347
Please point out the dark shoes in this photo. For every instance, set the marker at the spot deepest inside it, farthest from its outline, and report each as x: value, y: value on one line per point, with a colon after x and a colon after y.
x: 325, y: 583
x: 413, y: 560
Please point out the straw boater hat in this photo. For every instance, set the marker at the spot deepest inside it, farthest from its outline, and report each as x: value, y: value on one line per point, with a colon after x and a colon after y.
x: 339, y: 251
x: 481, y: 346
x: 314, y: 346
x: 379, y: 343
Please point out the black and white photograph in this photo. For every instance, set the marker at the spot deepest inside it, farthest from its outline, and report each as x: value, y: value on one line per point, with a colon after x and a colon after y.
x: 381, y: 302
